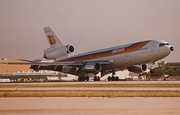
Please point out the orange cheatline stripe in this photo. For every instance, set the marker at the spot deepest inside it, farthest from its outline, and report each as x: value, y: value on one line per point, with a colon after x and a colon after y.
x: 133, y: 47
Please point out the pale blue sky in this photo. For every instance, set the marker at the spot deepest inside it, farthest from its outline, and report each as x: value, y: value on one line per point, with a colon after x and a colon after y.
x: 87, y: 24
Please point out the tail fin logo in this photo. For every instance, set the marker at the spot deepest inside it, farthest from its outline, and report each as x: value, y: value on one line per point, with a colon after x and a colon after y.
x: 51, y: 39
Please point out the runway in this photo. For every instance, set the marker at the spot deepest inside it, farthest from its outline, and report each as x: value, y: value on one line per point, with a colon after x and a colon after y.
x: 99, y: 82
x: 95, y: 88
x: 90, y: 106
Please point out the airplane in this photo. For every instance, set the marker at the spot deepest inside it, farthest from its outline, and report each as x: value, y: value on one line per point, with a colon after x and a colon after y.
x: 134, y: 57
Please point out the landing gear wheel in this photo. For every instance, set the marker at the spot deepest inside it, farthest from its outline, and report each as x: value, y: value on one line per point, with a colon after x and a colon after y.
x: 79, y: 78
x: 83, y: 78
x: 109, y: 78
x: 98, y: 79
x: 113, y: 78
x: 95, y: 78
x: 87, y: 78
x: 117, y: 78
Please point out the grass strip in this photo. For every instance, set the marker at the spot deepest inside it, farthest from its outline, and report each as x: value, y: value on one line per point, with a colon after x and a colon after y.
x: 88, y: 93
x: 91, y: 85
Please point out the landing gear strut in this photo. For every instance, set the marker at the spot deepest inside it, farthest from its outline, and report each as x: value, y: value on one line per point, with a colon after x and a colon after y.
x: 151, y: 70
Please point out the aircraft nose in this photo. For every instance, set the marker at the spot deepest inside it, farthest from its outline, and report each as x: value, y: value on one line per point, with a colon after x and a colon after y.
x: 171, y: 48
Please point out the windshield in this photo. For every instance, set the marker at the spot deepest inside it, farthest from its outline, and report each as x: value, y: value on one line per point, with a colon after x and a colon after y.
x: 163, y: 44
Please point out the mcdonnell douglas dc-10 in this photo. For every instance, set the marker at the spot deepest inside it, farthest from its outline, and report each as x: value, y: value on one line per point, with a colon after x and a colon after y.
x: 134, y: 57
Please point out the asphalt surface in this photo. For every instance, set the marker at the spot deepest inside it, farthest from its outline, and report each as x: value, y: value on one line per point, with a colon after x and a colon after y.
x: 94, y: 88
x: 97, y: 88
x: 90, y: 106
x: 99, y: 82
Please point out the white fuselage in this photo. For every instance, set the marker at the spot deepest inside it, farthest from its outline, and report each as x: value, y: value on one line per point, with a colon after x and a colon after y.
x: 126, y: 55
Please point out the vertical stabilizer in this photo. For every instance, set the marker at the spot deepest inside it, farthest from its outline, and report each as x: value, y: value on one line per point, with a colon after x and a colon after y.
x: 53, y: 41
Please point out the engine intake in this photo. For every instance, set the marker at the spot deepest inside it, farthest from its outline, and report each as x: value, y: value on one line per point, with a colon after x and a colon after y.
x: 70, y: 49
x: 54, y: 53
x: 91, y: 67
x: 138, y: 68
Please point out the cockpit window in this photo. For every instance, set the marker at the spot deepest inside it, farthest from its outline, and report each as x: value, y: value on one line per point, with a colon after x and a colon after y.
x: 163, y: 44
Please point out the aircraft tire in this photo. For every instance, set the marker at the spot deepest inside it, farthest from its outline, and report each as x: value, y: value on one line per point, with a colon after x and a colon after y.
x: 98, y: 78
x: 83, y: 78
x: 79, y: 78
x: 87, y: 78
x: 109, y: 78
x: 117, y: 78
x: 113, y: 78
x: 94, y: 78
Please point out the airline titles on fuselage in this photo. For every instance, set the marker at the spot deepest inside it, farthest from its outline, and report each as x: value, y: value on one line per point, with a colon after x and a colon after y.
x: 118, y: 50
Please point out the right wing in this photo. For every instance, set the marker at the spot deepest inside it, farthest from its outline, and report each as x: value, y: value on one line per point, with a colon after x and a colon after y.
x: 76, y: 63
x: 44, y: 63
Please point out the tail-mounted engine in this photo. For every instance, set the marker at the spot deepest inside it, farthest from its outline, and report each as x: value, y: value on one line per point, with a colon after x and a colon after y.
x: 92, y: 67
x: 54, y: 53
x: 138, y: 68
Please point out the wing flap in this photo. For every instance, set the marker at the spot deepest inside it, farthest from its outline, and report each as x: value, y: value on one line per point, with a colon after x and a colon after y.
x: 102, y: 62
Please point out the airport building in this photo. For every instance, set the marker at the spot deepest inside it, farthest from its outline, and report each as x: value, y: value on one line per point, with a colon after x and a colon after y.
x: 10, y: 73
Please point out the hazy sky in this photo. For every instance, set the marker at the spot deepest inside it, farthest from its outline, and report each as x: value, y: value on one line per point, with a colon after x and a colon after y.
x: 87, y: 24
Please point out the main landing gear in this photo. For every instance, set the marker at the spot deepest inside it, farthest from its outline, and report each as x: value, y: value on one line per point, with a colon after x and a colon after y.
x: 83, y: 78
x: 113, y: 78
x: 86, y: 78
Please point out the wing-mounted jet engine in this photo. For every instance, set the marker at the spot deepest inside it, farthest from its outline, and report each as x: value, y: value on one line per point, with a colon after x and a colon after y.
x: 138, y: 68
x: 92, y: 67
